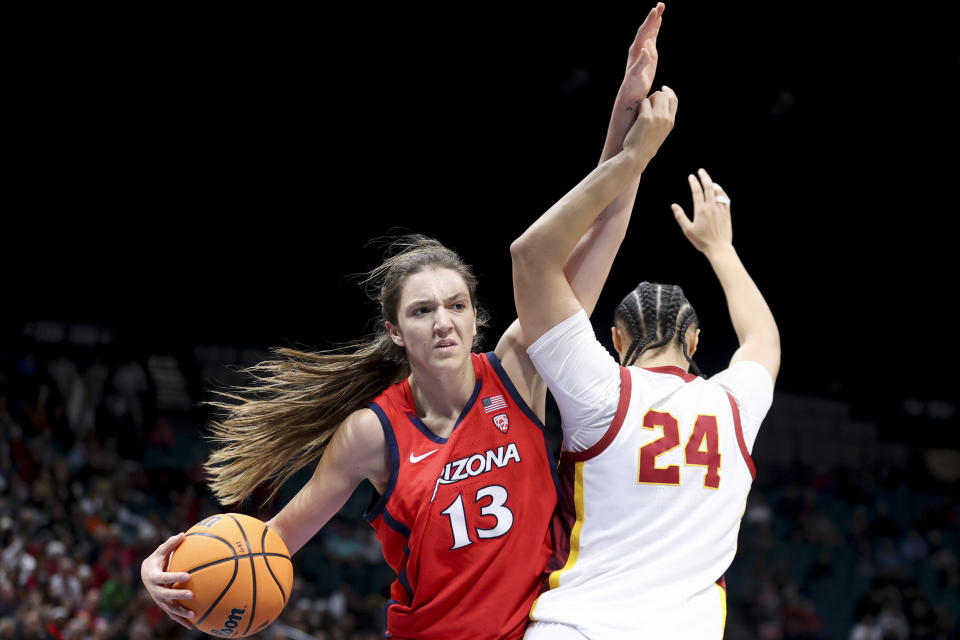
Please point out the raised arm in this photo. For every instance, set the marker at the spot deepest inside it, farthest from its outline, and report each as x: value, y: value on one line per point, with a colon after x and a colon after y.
x: 590, y: 261
x: 711, y: 232
x: 542, y: 292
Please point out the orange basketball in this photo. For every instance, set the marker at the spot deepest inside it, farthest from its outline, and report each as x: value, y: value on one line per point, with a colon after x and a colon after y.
x: 240, y: 574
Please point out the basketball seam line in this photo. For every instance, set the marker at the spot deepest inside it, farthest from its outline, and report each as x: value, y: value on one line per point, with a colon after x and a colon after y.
x: 238, y: 557
x: 236, y: 567
x: 253, y: 575
x: 234, y: 552
x: 263, y: 542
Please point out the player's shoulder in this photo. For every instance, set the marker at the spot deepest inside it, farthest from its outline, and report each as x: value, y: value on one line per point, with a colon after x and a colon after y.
x: 363, y: 429
x: 750, y: 385
x: 744, y: 372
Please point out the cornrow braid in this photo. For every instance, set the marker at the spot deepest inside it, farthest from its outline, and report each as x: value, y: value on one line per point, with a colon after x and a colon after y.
x: 655, y: 313
x: 649, y: 314
x: 689, y: 318
x: 630, y: 315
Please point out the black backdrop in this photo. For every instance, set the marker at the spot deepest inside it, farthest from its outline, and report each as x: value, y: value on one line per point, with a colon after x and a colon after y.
x: 215, y: 177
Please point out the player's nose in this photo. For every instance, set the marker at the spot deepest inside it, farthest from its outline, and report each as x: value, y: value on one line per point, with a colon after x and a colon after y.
x: 442, y: 322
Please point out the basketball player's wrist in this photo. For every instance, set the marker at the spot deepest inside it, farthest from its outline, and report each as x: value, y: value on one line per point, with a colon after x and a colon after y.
x: 720, y: 252
x: 635, y: 159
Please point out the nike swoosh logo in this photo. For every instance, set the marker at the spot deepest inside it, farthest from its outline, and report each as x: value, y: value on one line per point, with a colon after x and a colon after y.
x: 415, y: 459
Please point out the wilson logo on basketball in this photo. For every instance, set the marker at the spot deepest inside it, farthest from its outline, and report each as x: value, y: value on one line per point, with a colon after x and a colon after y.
x: 502, y: 422
x: 236, y: 616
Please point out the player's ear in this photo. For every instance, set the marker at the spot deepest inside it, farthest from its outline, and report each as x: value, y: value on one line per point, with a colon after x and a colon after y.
x: 693, y: 341
x: 394, y: 332
x: 617, y: 341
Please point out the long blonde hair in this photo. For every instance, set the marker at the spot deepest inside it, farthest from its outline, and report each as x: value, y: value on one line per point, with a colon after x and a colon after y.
x: 284, y: 418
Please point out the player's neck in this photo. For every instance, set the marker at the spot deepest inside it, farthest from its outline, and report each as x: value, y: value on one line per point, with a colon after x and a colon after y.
x: 663, y: 357
x: 441, y: 395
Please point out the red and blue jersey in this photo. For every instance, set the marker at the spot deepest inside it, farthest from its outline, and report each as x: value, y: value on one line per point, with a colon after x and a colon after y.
x: 464, y: 520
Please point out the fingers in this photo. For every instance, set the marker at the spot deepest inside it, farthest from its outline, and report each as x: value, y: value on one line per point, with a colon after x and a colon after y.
x: 168, y: 600
x: 664, y: 101
x: 171, y: 578
x: 643, y: 59
x: 181, y: 614
x: 175, y: 594
x: 171, y: 543
x: 672, y: 100
x: 709, y: 196
x: 645, y: 109
x: 184, y: 621
x: 681, y: 217
x: 646, y: 34
x: 721, y: 195
x: 696, y: 191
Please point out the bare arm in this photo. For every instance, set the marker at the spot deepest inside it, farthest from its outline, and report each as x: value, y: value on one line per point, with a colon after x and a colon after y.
x: 589, y: 262
x: 711, y: 232
x: 542, y: 293
x: 357, y: 451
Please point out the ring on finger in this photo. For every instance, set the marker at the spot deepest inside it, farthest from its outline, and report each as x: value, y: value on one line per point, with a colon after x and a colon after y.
x: 722, y: 199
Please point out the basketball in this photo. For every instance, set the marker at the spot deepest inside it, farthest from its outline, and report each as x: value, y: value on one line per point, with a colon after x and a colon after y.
x: 240, y: 574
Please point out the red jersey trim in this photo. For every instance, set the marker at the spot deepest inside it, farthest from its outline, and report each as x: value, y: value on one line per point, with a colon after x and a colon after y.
x: 677, y: 371
x: 613, y: 429
x: 740, y: 441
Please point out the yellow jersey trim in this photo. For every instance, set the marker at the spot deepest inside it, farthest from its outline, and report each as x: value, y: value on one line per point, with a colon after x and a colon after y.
x: 723, y: 606
x: 554, y: 580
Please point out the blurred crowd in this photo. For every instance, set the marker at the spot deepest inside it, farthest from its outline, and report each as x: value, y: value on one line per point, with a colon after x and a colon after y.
x: 94, y: 474
x: 93, y: 478
x: 852, y: 554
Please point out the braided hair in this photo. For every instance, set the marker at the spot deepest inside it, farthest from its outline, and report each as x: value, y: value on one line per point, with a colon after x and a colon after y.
x: 653, y: 314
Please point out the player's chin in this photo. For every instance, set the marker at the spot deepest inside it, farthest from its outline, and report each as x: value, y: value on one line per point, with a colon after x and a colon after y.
x: 452, y: 355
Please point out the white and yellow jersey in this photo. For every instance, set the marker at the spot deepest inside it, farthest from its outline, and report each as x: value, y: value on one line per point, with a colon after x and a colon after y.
x: 654, y: 475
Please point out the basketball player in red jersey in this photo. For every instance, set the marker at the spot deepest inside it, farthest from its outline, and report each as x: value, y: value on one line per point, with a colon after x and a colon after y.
x: 451, y: 440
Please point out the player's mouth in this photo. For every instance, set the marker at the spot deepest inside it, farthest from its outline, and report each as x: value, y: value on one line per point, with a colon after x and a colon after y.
x: 445, y: 345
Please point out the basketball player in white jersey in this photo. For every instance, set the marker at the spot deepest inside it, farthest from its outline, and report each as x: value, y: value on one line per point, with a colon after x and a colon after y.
x: 656, y: 461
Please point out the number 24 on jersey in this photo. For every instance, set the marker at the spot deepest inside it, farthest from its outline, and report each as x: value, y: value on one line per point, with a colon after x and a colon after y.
x: 702, y: 450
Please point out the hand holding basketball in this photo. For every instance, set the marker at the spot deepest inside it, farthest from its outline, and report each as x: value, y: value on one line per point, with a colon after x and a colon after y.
x: 157, y: 580
x: 239, y: 572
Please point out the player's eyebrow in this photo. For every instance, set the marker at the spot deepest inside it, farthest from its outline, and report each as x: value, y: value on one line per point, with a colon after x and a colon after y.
x: 427, y: 302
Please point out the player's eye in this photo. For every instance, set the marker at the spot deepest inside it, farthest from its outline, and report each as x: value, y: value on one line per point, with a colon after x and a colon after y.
x: 419, y: 311
x: 459, y: 306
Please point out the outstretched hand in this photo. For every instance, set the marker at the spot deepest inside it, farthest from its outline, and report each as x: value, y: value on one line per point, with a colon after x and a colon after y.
x: 157, y: 581
x: 642, y: 60
x: 711, y: 226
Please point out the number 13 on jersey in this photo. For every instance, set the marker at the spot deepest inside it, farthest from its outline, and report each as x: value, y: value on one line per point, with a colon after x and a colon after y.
x: 497, y: 508
x: 702, y: 450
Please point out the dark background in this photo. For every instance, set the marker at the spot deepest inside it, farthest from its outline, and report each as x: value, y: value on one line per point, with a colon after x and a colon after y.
x: 204, y: 184
x: 215, y: 178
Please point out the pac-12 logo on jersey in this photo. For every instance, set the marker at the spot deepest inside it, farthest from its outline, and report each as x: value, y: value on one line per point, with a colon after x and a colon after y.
x: 502, y: 422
